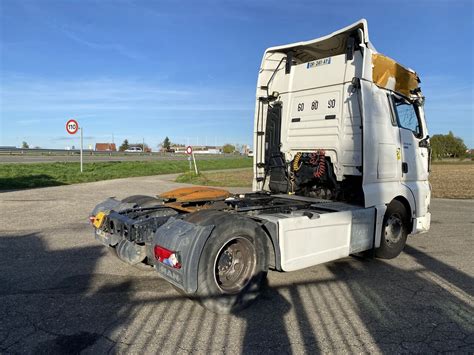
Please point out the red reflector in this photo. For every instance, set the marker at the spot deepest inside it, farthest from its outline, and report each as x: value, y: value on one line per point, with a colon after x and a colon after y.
x: 92, y: 219
x: 162, y: 253
x: 167, y: 257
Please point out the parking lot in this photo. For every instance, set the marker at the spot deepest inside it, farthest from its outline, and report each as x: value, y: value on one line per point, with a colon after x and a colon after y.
x: 62, y: 292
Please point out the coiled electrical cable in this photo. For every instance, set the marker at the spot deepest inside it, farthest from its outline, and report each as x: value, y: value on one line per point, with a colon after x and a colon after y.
x: 318, y: 158
x: 297, y: 162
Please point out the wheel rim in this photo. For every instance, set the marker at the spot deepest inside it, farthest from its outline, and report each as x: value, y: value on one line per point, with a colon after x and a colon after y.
x: 234, y: 265
x: 393, y: 229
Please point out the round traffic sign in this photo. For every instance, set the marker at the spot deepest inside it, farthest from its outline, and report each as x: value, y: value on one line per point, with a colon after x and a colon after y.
x: 189, y: 150
x: 72, y: 126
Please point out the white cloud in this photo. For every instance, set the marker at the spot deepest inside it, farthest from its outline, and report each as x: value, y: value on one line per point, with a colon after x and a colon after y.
x: 21, y: 94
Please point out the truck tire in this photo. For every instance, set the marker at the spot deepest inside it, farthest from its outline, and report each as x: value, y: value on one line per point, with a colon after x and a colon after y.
x: 234, y: 262
x: 394, y: 231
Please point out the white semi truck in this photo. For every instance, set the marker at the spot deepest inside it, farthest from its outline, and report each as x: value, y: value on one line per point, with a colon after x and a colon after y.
x: 341, y: 165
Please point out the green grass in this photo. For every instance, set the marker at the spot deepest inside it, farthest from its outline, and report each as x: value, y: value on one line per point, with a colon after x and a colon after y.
x: 23, y: 176
x: 239, y: 178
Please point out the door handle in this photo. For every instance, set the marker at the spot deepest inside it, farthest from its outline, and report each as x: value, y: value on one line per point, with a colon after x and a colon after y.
x: 404, y: 168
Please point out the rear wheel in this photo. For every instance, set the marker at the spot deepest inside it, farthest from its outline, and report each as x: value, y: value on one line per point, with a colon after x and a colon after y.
x: 234, y: 263
x: 394, y: 231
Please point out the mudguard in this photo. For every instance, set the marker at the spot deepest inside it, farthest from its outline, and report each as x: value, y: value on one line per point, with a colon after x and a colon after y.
x: 112, y: 204
x: 188, y: 240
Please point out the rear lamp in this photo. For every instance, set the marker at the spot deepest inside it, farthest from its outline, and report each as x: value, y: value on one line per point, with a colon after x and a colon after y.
x: 167, y: 257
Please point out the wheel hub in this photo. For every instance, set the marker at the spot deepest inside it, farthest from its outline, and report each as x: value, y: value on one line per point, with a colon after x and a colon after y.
x: 235, y: 264
x: 393, y: 229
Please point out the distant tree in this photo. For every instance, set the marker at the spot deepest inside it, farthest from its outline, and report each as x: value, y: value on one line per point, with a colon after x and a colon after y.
x: 124, y: 146
x: 447, y: 146
x: 166, y: 144
x: 24, y: 145
x: 228, y: 148
x: 239, y: 148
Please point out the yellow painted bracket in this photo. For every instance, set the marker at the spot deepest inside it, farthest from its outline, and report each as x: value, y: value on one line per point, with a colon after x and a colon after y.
x: 99, y: 219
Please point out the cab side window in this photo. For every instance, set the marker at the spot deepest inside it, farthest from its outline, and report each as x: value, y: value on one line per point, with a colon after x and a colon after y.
x: 407, y: 117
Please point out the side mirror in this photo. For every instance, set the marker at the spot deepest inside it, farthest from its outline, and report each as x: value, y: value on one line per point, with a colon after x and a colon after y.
x: 424, y: 143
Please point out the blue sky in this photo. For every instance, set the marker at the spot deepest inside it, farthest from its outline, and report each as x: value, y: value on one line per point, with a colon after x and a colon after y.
x: 187, y: 70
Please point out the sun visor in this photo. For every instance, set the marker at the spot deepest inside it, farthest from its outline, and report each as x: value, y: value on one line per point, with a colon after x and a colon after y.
x: 389, y: 74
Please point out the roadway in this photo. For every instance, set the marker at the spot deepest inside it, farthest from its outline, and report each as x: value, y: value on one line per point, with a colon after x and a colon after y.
x: 62, y: 292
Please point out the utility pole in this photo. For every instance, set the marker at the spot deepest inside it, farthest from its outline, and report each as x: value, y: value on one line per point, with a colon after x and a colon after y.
x: 82, y: 143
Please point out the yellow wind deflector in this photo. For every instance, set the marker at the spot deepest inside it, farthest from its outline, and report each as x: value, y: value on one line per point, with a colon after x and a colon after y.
x: 389, y: 74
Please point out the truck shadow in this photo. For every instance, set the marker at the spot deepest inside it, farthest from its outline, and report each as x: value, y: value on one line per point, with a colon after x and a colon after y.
x: 68, y: 301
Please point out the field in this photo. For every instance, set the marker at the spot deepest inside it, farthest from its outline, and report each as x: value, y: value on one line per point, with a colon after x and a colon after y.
x: 22, y: 176
x: 448, y: 180
x: 453, y: 180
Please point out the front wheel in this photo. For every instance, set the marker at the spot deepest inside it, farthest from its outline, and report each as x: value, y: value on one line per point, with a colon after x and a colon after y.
x: 394, y: 231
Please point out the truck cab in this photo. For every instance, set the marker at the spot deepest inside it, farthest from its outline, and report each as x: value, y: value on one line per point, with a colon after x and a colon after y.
x: 339, y: 97
x: 341, y: 164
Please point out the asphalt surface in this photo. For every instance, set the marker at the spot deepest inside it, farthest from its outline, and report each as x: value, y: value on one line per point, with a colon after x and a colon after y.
x: 62, y: 292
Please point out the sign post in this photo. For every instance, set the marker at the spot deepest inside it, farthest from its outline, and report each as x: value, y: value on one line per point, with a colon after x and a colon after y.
x: 82, y: 145
x: 189, y: 151
x: 72, y: 127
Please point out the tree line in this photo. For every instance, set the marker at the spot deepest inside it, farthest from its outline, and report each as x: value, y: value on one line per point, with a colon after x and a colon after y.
x: 445, y: 146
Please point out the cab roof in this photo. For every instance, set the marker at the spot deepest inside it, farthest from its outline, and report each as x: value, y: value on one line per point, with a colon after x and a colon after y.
x: 332, y: 44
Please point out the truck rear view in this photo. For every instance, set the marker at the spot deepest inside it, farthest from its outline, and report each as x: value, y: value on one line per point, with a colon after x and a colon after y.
x: 341, y: 165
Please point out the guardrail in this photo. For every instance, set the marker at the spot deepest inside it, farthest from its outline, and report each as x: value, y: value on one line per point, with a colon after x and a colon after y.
x: 90, y: 152
x: 41, y: 151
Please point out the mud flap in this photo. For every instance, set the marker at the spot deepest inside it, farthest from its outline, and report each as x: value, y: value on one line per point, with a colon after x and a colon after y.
x: 111, y: 204
x: 188, y: 240
x: 130, y: 252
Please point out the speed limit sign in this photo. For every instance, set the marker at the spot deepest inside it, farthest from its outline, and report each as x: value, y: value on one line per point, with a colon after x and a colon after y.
x: 189, y: 150
x: 72, y: 126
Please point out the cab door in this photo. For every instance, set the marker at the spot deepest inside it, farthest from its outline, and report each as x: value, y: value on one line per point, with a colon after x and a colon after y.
x: 414, y: 139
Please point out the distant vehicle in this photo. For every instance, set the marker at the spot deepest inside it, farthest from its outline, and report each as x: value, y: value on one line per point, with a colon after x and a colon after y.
x: 250, y: 154
x: 134, y: 150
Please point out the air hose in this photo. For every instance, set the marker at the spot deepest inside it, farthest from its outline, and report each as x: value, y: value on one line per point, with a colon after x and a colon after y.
x: 318, y: 158
x: 296, y: 162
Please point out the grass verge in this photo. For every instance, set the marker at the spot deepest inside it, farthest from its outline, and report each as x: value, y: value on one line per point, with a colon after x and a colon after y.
x: 23, y: 176
x: 235, y: 178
